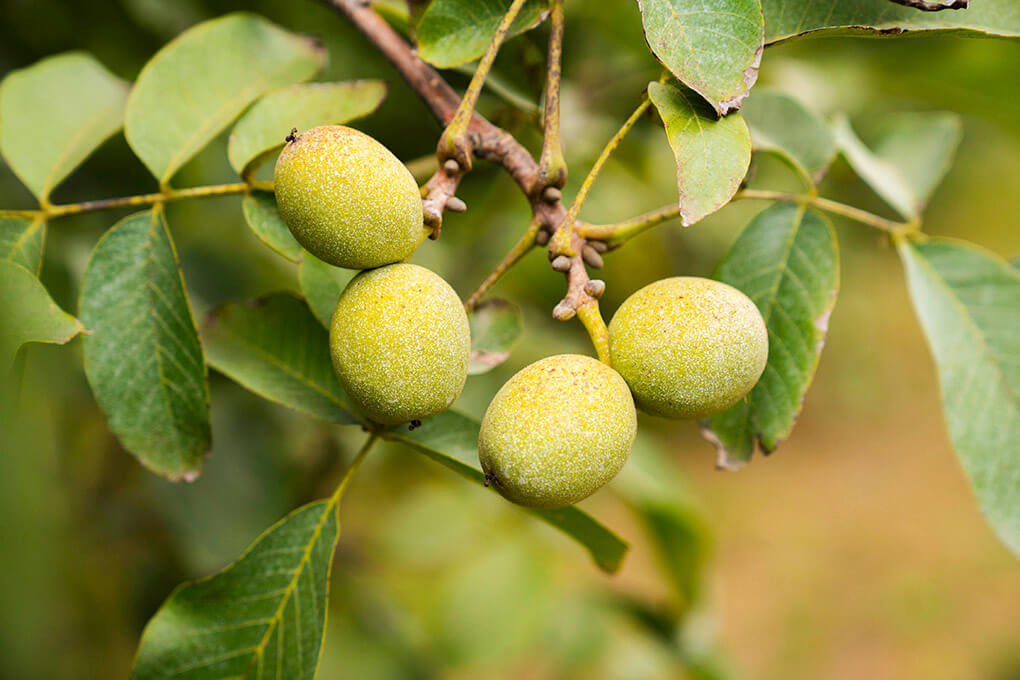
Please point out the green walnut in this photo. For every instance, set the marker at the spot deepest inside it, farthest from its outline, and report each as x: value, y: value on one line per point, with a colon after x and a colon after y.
x: 688, y: 347
x: 557, y: 431
x: 400, y: 342
x: 347, y: 199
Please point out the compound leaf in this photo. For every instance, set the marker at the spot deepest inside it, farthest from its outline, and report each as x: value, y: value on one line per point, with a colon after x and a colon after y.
x: 277, y: 349
x: 21, y: 241
x: 713, y: 47
x: 29, y: 314
x: 968, y: 302
x: 55, y: 113
x: 451, y: 439
x: 200, y: 81
x: 260, y: 213
x: 143, y: 359
x: 263, y: 616
x: 261, y: 131
x: 322, y: 284
x: 786, y: 19
x: 781, y: 125
x: 496, y: 326
x: 786, y: 261
x: 454, y: 32
x: 712, y: 155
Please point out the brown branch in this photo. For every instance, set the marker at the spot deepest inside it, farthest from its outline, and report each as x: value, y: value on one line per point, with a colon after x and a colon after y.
x: 936, y: 6
x: 488, y: 142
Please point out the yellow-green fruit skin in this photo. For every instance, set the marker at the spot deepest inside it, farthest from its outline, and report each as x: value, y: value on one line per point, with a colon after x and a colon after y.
x: 688, y: 347
x: 557, y: 431
x: 347, y: 199
x: 400, y: 342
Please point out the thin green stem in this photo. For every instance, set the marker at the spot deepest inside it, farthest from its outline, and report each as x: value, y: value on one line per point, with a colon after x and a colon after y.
x: 54, y: 211
x: 520, y: 249
x: 355, y: 464
x: 591, y: 318
x: 552, y: 168
x: 562, y: 239
x: 615, y: 234
x: 453, y: 143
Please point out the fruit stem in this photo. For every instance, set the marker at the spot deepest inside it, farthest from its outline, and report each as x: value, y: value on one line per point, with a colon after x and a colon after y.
x: 616, y: 234
x: 54, y: 211
x: 353, y: 467
x: 561, y: 241
x: 591, y: 318
x: 520, y: 249
x: 454, y: 144
x: 552, y: 168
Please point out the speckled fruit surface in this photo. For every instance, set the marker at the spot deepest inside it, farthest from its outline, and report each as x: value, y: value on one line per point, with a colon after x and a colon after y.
x: 688, y: 347
x: 400, y: 343
x: 347, y: 199
x: 557, y: 431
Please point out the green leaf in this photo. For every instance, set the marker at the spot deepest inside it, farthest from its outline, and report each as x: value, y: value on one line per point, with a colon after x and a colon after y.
x: 791, y: 18
x: 29, y: 314
x: 911, y: 154
x: 263, y: 616
x: 451, y: 439
x: 496, y: 326
x: 454, y: 32
x: 712, y: 156
x: 264, y: 219
x: 783, y: 126
x: 713, y: 47
x: 262, y: 130
x: 142, y: 355
x: 203, y: 79
x: 276, y: 348
x: 322, y: 284
x: 55, y: 113
x: 968, y: 302
x: 21, y: 241
x: 786, y: 261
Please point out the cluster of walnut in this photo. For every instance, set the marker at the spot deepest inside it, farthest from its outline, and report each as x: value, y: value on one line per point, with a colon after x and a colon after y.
x: 560, y: 428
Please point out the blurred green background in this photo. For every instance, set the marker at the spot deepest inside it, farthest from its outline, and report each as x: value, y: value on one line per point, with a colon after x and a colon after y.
x: 855, y: 551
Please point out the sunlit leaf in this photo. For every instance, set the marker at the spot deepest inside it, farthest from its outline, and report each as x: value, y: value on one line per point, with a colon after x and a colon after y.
x: 28, y: 314
x: 322, y: 284
x: 713, y: 46
x: 786, y: 261
x: 712, y: 156
x: 451, y: 439
x: 910, y: 155
x: 496, y: 326
x: 781, y: 125
x: 264, y: 219
x: 21, y: 241
x: 454, y: 32
x: 277, y: 349
x: 263, y: 128
x: 968, y: 301
x: 261, y: 617
x: 790, y: 18
x: 142, y: 355
x: 199, y: 82
x: 55, y: 113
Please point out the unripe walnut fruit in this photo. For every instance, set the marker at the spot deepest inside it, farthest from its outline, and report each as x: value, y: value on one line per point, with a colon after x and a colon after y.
x: 557, y: 431
x: 347, y: 199
x: 688, y: 347
x: 400, y: 343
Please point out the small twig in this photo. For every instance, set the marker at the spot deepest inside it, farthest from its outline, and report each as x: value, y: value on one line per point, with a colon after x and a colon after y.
x: 520, y: 249
x: 454, y: 142
x: 615, y: 234
x: 936, y: 6
x: 54, y: 211
x: 552, y: 168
